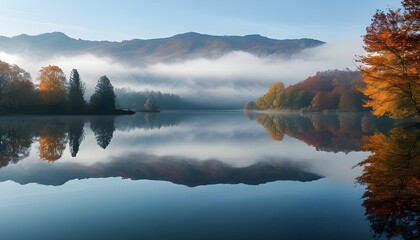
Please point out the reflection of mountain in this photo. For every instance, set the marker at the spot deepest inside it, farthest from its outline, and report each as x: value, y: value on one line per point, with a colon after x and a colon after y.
x: 141, y: 166
x: 392, y: 178
x: 341, y: 132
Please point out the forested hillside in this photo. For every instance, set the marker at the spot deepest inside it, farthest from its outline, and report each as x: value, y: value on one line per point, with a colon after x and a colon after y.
x: 330, y: 90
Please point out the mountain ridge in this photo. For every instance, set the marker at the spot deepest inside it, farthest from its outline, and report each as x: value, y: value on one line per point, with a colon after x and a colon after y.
x: 182, y: 46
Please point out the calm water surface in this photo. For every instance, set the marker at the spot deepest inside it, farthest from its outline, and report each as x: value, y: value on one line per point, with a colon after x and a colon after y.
x: 207, y: 175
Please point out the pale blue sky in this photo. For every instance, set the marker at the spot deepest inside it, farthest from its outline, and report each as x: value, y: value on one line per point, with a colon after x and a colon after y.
x: 118, y: 19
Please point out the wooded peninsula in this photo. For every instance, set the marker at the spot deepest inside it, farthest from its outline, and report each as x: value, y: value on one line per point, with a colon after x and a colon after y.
x: 54, y: 94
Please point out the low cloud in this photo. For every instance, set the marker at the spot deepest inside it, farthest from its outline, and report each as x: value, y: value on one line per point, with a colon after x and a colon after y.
x: 232, y: 79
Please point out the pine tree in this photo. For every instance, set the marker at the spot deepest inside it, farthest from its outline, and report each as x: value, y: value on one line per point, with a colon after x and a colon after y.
x: 76, y: 91
x: 104, y: 98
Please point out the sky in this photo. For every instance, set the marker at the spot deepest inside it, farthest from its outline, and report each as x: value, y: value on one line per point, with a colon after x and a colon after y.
x: 325, y: 20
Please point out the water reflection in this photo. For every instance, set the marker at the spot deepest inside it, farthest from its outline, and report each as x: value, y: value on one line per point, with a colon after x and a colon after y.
x: 189, y: 172
x: 52, y: 140
x: 103, y: 128
x: 51, y: 136
x: 76, y: 136
x: 391, y: 176
x: 15, y: 142
x: 326, y: 132
x: 195, y: 149
x: 18, y: 134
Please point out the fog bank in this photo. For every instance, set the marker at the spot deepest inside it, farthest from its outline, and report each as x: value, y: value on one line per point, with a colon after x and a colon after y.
x: 227, y: 81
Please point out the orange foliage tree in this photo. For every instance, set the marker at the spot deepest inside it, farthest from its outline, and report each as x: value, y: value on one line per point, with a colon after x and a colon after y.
x: 272, y: 98
x: 52, y: 85
x: 391, y: 67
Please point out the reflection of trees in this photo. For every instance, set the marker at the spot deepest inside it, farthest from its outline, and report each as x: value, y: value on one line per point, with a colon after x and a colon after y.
x: 392, y: 178
x: 103, y: 128
x: 15, y: 143
x: 327, y: 132
x: 145, y: 120
x: 52, y: 141
x: 76, y: 136
x: 272, y: 125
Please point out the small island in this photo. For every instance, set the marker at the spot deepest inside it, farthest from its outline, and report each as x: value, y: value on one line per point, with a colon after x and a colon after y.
x: 54, y: 95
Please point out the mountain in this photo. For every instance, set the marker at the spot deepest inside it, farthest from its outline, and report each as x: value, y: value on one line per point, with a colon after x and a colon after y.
x: 48, y: 43
x: 329, y: 90
x: 138, y: 51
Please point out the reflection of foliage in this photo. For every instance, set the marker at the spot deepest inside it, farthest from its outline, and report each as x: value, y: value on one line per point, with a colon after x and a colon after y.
x: 103, y: 128
x: 52, y: 142
x: 327, y: 132
x: 76, y: 136
x: 391, y: 176
x: 15, y: 143
x: 272, y: 125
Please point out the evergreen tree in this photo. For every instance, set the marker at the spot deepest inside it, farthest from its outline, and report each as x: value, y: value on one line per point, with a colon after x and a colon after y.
x: 104, y: 98
x: 76, y: 91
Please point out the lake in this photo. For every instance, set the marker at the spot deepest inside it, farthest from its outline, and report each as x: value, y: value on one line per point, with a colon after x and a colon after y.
x: 208, y: 175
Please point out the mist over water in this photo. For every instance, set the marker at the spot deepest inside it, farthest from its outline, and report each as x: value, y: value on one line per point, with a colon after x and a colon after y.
x: 228, y: 81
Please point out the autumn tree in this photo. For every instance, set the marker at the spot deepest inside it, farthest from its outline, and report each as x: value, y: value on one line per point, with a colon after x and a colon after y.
x: 104, y: 98
x: 76, y: 91
x: 391, y: 67
x: 16, y: 88
x: 272, y: 98
x: 52, y: 85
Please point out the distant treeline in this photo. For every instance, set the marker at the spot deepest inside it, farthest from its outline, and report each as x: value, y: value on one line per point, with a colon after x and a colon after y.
x: 331, y: 90
x: 54, y: 94
x: 130, y: 99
